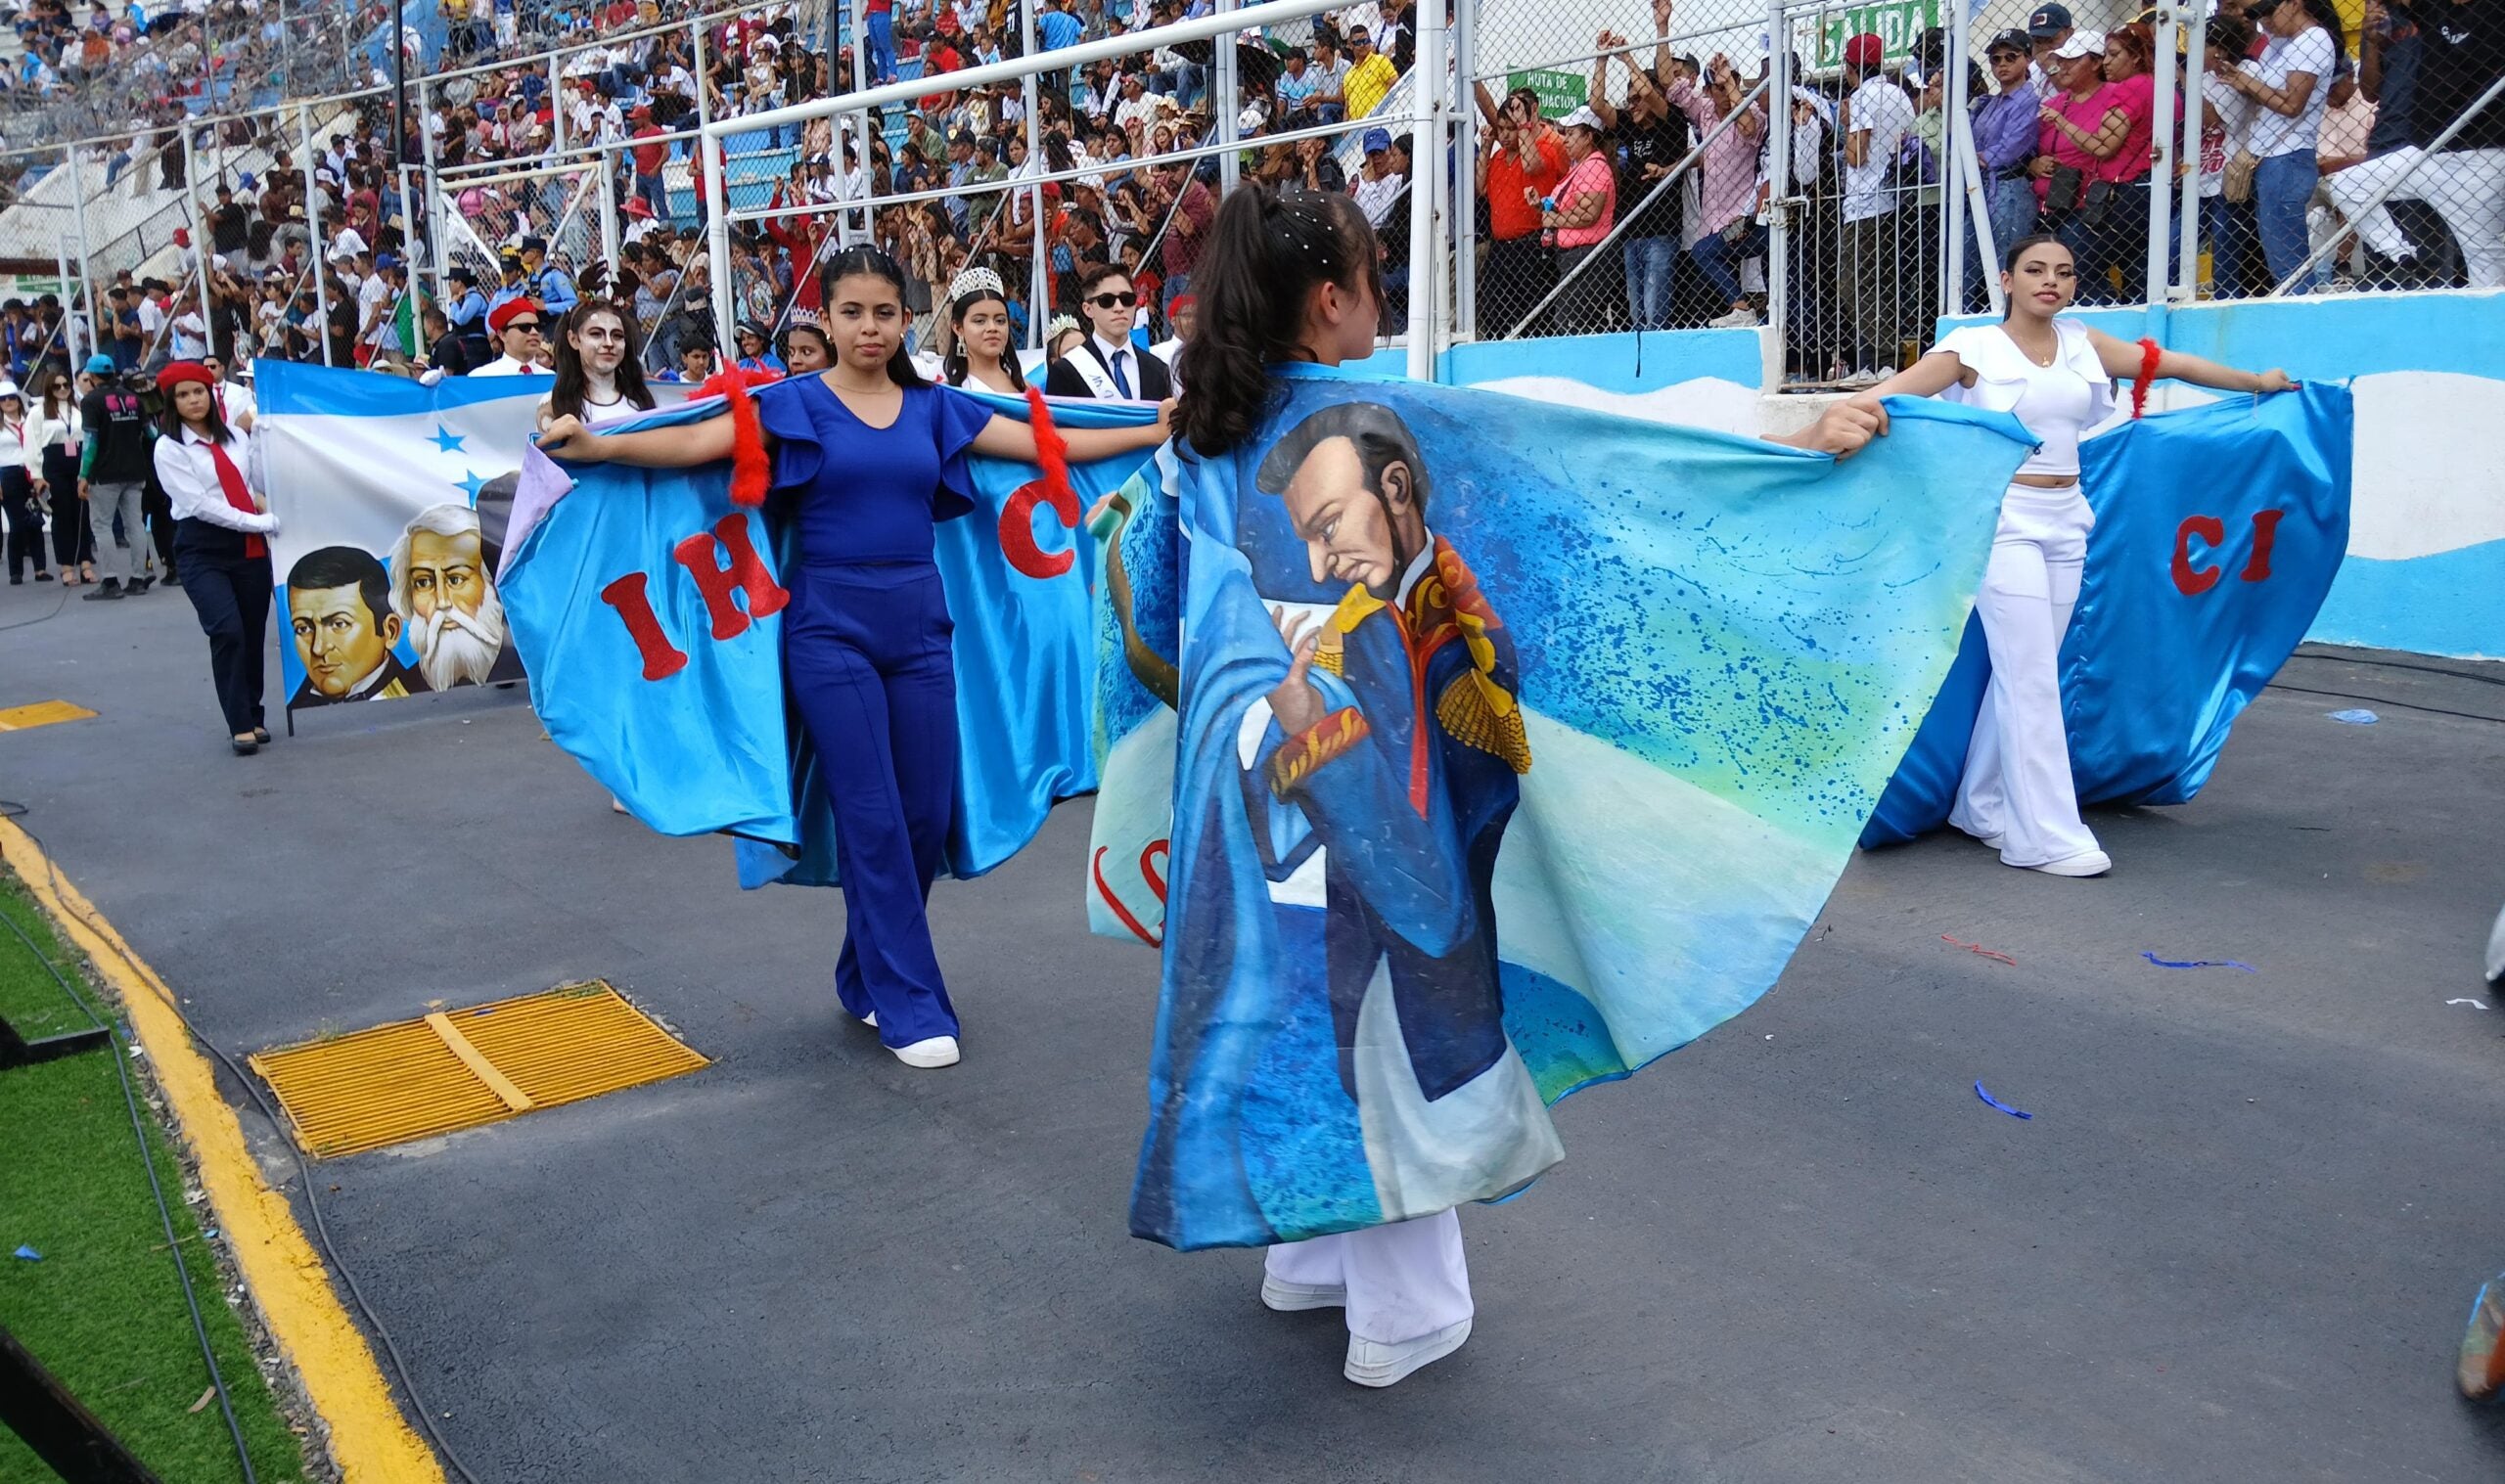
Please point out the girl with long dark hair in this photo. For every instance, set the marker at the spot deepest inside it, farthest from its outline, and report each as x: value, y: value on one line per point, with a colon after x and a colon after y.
x: 1291, y: 280
x: 221, y: 531
x: 979, y: 354
x: 600, y: 369
x: 57, y: 433
x: 2056, y: 375
x: 872, y: 456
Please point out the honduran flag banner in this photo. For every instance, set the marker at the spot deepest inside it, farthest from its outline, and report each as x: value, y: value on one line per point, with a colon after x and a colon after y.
x: 2197, y: 588
x: 391, y: 498
x: 1463, y: 750
x: 648, y: 608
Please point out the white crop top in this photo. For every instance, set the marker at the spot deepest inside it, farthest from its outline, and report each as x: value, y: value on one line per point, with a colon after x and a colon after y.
x: 2057, y: 403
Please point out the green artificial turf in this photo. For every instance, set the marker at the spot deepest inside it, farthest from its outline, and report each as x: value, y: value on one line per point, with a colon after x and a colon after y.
x: 103, y: 1310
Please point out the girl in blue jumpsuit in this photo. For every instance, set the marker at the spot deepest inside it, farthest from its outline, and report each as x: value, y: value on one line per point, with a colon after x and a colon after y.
x: 871, y: 456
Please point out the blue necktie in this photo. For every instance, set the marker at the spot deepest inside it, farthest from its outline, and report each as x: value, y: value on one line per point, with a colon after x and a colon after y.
x: 1121, y: 382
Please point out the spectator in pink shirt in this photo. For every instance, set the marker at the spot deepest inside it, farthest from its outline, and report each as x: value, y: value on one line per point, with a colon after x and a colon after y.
x: 1579, y: 215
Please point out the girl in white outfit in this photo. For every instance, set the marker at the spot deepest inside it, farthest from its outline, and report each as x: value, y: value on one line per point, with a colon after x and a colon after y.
x: 2057, y: 377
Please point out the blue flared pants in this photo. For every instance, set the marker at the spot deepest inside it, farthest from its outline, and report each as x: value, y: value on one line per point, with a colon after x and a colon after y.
x: 866, y: 649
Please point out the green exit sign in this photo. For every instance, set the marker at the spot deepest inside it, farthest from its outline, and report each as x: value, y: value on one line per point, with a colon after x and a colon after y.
x: 1560, y: 93
x: 1897, y: 24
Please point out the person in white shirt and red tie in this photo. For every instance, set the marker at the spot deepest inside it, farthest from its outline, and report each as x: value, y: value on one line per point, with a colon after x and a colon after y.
x: 221, y: 531
x: 520, y: 323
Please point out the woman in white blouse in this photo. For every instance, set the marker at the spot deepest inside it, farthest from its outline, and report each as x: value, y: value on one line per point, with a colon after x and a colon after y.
x: 2056, y: 375
x: 55, y: 435
x: 220, y: 546
x: 17, y: 488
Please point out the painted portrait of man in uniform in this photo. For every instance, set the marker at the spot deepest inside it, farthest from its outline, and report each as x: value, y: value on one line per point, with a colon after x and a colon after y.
x: 341, y: 617
x: 443, y: 581
x: 1380, y: 773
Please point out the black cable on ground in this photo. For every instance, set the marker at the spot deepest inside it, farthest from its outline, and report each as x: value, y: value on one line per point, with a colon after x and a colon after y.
x: 57, y: 606
x: 304, y: 1168
x: 165, y: 1214
x: 2385, y: 701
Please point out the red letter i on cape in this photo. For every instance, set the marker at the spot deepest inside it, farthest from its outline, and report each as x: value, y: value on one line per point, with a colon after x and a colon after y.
x: 661, y: 659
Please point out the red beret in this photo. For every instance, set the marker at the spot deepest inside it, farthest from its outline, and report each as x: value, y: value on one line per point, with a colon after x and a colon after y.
x: 1183, y: 302
x: 184, y: 370
x: 505, y: 313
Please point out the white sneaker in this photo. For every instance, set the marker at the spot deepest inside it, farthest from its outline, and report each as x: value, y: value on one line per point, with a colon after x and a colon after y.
x: 936, y: 1051
x: 2085, y: 863
x: 1372, y: 1362
x: 1737, y: 319
x: 870, y: 1019
x: 1289, y: 1298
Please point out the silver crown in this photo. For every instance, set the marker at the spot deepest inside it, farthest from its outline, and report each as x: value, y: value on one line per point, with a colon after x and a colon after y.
x: 975, y: 281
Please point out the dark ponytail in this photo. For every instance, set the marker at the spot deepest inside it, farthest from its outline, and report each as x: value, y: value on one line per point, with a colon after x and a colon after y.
x: 1266, y: 251
x: 875, y: 262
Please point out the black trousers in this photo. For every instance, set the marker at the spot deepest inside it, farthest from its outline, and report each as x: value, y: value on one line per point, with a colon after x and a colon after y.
x: 25, y: 532
x: 74, y: 530
x: 161, y: 526
x: 232, y: 595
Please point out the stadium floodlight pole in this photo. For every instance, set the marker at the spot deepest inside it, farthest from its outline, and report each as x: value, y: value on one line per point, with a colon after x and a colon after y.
x: 1227, y: 79
x: 1465, y: 224
x: 2160, y: 283
x: 1037, y: 268
x: 2196, y: 35
x: 86, y: 255
x: 1428, y: 168
x: 717, y: 229
x: 313, y: 225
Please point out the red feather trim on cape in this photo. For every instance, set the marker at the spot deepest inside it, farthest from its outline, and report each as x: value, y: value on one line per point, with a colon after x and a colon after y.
x: 2150, y: 354
x: 752, y: 471
x: 1052, y: 452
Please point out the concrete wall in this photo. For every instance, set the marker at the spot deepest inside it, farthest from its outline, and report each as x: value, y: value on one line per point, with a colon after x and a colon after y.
x: 2426, y: 567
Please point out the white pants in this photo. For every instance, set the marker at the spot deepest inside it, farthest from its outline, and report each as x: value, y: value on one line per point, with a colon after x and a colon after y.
x: 1405, y: 1281
x: 2465, y: 187
x: 2018, y: 785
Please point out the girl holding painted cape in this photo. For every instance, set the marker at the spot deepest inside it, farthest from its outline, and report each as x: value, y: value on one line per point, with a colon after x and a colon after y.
x: 1407, y: 832
x: 2057, y: 377
x: 875, y: 457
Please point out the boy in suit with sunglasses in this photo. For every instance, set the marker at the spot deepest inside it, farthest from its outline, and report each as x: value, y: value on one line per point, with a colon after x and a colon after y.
x: 1109, y: 365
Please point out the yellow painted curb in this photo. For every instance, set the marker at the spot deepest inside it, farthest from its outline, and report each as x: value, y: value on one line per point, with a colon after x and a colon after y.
x: 370, y: 1440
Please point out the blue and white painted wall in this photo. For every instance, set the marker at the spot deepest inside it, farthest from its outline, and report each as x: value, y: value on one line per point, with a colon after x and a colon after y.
x: 2426, y: 567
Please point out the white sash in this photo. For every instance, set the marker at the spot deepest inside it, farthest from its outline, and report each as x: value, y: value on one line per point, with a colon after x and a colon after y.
x: 1092, y: 370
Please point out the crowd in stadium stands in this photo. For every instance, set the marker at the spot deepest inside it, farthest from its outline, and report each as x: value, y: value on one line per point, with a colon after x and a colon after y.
x: 1640, y: 205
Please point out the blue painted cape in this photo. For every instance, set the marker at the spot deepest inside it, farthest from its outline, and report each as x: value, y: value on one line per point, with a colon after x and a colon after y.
x: 712, y: 745
x: 2198, y: 587
x: 1659, y: 676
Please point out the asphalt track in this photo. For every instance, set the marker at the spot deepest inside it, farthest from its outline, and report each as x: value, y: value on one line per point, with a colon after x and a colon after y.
x: 2236, y: 1241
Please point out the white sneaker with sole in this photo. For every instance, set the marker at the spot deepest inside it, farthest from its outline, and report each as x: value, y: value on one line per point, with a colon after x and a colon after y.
x: 2085, y: 863
x: 1737, y: 319
x: 1372, y: 1362
x: 1291, y: 1298
x: 934, y: 1051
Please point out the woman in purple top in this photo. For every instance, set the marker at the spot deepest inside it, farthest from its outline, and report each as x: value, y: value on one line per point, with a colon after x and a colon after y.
x: 2005, y: 129
x: 873, y: 456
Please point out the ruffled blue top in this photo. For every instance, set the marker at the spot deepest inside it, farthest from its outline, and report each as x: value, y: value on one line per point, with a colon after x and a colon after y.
x: 870, y: 494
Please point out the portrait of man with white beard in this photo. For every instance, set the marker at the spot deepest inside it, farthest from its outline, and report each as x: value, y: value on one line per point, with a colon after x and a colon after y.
x: 441, y: 578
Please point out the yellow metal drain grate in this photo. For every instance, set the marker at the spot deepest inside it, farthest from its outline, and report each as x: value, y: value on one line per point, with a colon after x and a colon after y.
x: 42, y: 713
x: 457, y: 1069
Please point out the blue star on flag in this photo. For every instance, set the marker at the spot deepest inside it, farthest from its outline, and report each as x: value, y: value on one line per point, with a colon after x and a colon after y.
x: 446, y: 439
x: 471, y: 485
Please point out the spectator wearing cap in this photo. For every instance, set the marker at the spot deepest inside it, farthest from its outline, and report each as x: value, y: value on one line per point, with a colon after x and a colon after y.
x: 2047, y: 27
x: 544, y: 282
x: 467, y: 314
x: 511, y: 282
x: 2459, y: 54
x: 1370, y: 77
x: 1874, y: 120
x: 649, y: 153
x: 1576, y: 218
x: 1520, y: 161
x: 518, y: 325
x: 1378, y: 183
x: 2080, y: 139
x: 2005, y: 129
x: 378, y: 309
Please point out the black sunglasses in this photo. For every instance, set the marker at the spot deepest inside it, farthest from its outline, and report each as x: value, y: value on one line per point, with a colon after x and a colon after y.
x: 532, y: 326
x: 1114, y: 300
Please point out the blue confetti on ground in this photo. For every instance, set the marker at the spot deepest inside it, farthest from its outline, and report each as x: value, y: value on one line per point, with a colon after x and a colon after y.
x: 2359, y: 718
x: 1996, y: 1103
x: 29, y: 1254
x: 2197, y: 963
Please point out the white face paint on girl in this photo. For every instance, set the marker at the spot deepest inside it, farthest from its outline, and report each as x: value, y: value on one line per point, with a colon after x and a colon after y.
x: 601, y: 341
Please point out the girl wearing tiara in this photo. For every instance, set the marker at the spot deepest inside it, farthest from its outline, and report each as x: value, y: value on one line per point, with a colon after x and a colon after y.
x: 979, y: 354
x: 871, y: 456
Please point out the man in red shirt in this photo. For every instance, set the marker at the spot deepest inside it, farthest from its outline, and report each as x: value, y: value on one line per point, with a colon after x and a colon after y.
x: 649, y: 152
x: 1188, y: 234
x: 1520, y: 161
